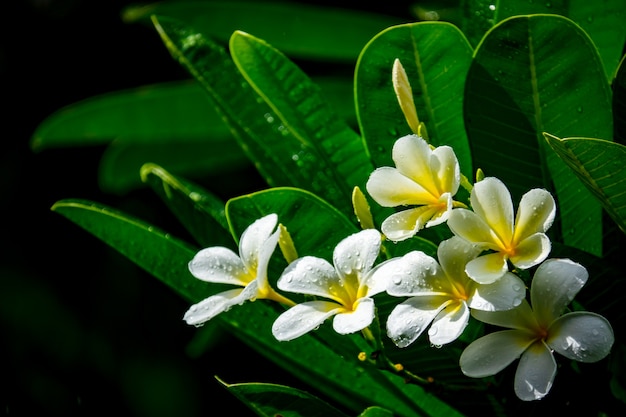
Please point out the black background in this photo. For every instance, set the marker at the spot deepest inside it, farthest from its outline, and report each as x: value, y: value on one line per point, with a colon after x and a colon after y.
x: 83, y: 330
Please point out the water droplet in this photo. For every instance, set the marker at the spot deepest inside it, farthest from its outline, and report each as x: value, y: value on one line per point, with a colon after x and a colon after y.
x: 397, y: 280
x: 595, y: 332
x: 579, y: 109
x: 269, y: 118
x: 548, y: 5
x: 516, y: 287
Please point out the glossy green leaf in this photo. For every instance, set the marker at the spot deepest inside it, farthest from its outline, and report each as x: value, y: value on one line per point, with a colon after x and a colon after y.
x: 154, y: 250
x: 600, y: 166
x: 275, y: 150
x: 535, y: 74
x: 331, y: 154
x: 436, y: 57
x: 619, y: 103
x: 161, y: 112
x: 270, y: 400
x: 299, y: 30
x: 202, y: 213
x: 603, y: 21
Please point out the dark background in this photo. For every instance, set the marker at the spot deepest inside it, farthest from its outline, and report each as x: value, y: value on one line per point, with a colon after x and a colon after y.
x: 83, y: 331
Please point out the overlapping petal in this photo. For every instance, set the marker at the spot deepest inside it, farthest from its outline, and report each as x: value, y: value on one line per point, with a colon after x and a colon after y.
x: 346, y: 322
x: 349, y: 283
x: 409, y: 319
x: 535, y: 213
x: 535, y: 372
x: 404, y: 191
x: 219, y: 265
x: 491, y: 226
x: 488, y: 268
x: 492, y: 353
x: 581, y: 336
x: 507, y: 292
x: 405, y: 224
x: 491, y: 201
x: 210, y: 307
x: 555, y: 284
x: 449, y: 323
x: 423, y: 177
x: 302, y: 318
x: 248, y: 270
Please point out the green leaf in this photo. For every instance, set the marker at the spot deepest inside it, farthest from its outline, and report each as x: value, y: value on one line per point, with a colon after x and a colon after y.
x: 202, y: 214
x: 619, y: 103
x: 315, y: 226
x: 599, y: 164
x: 154, y: 250
x: 331, y: 154
x: 376, y: 412
x: 275, y: 150
x: 535, y: 74
x: 162, y: 112
x: 270, y: 400
x: 299, y: 30
x: 436, y: 57
x: 602, y: 21
x: 477, y: 17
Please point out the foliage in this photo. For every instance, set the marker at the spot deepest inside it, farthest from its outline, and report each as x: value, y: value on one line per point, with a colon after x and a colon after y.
x: 500, y: 93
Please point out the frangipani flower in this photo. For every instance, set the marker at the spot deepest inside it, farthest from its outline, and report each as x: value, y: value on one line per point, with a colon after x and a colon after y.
x: 443, y: 294
x: 248, y: 270
x: 348, y: 286
x: 423, y: 177
x: 537, y: 332
x: 490, y: 225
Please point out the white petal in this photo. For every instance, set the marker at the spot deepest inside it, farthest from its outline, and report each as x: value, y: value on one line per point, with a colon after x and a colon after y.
x: 445, y: 167
x: 520, y: 317
x: 411, y: 155
x: 454, y: 254
x: 487, y: 269
x: 492, y: 353
x: 581, y: 336
x: 555, y: 284
x: 415, y: 273
x: 409, y: 319
x: 405, y: 224
x: 471, y: 227
x: 347, y: 322
x: 504, y: 294
x: 389, y: 188
x: 449, y: 323
x: 535, y: 373
x: 210, y: 307
x: 312, y: 276
x: 265, y: 253
x: 302, y: 318
x: 357, y: 253
x: 535, y: 213
x: 531, y: 251
x: 253, y: 238
x: 491, y: 200
x: 219, y: 265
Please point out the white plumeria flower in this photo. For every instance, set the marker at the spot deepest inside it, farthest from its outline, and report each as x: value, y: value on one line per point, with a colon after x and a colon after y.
x: 537, y: 332
x: 490, y: 225
x: 248, y: 270
x: 348, y: 286
x: 443, y: 294
x: 423, y: 177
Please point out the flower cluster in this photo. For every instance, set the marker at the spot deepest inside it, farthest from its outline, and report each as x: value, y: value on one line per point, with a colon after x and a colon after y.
x: 474, y: 275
